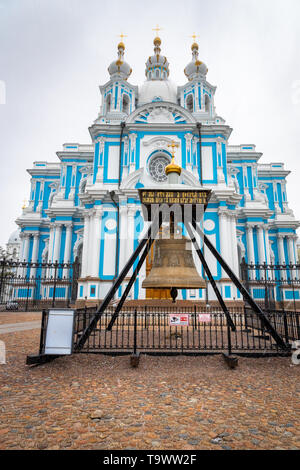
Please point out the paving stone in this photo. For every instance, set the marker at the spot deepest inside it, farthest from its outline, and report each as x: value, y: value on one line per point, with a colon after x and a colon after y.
x: 167, y: 403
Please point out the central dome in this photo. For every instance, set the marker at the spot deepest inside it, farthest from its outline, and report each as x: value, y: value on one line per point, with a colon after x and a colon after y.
x: 157, y: 90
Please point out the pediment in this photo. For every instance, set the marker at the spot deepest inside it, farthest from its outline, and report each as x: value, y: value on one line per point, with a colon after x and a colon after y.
x: 160, y: 113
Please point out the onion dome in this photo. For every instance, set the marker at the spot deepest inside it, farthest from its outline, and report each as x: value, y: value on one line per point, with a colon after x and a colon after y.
x: 173, y: 168
x: 157, y: 66
x: 195, y: 68
x: 157, y: 87
x: 119, y: 68
x: 14, y: 237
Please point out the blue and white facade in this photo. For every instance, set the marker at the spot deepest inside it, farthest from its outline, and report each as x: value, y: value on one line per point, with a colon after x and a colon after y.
x: 71, y: 212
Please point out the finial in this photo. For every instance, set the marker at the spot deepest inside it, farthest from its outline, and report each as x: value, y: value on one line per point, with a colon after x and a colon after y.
x: 173, y: 145
x: 24, y: 204
x: 121, y: 44
x: 157, y: 29
x: 194, y: 45
x: 157, y: 40
x: 172, y: 167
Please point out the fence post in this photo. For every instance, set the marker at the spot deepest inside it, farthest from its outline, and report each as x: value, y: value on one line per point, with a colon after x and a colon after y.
x: 27, y: 295
x: 146, y: 325
x: 3, y: 262
x: 286, y: 331
x: 135, y: 357
x: 54, y: 284
x: 42, y: 337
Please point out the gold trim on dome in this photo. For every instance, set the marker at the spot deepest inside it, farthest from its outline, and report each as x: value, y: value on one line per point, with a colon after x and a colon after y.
x: 198, y: 62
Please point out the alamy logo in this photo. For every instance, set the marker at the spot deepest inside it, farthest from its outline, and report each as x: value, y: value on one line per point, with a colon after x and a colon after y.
x: 2, y: 92
x: 296, y: 353
x: 2, y: 353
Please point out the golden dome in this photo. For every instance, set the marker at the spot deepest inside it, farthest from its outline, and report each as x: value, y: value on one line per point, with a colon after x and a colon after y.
x: 121, y: 45
x: 194, y: 46
x: 157, y: 41
x: 173, y: 168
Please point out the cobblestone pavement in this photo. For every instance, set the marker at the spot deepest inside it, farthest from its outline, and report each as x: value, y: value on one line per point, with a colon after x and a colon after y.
x: 19, y: 317
x: 99, y: 402
x: 20, y: 326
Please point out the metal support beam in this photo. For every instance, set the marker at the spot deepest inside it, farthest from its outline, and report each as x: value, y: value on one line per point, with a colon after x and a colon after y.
x: 151, y: 232
x: 242, y: 289
x: 210, y: 277
x: 130, y: 283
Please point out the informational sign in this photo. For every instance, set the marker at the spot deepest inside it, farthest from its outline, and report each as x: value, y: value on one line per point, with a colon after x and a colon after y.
x: 179, y: 319
x: 174, y: 197
x: 205, y: 317
x: 59, y: 334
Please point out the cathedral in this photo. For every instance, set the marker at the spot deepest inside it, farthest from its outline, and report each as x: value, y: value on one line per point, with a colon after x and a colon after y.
x: 86, y: 206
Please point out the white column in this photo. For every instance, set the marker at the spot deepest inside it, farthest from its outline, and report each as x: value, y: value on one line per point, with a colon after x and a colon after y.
x: 67, y: 253
x: 261, y: 244
x: 96, y: 243
x: 35, y: 251
x: 234, y: 245
x: 224, y: 238
x: 123, y: 235
x: 90, y: 253
x: 290, y: 244
x: 130, y: 233
x: 26, y: 247
x: 270, y: 273
x: 56, y: 249
x: 50, y: 250
x: 268, y: 254
x: 261, y: 249
x: 25, y: 254
x: 281, y: 254
x: 250, y: 249
x: 85, y: 245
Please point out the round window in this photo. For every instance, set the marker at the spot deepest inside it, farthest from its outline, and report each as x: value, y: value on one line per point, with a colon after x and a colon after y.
x: 157, y: 167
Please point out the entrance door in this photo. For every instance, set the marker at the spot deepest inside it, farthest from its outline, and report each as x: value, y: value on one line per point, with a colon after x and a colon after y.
x: 154, y: 293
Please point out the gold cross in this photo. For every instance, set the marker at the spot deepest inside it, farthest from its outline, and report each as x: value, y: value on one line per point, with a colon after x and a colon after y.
x: 157, y: 29
x: 122, y: 36
x: 173, y: 145
x: 194, y: 36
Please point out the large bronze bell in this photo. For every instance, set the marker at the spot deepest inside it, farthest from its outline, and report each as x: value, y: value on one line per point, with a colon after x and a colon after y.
x: 173, y: 266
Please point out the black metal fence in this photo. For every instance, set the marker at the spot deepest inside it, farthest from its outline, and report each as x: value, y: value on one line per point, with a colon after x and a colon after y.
x: 149, y: 330
x: 273, y: 286
x: 34, y: 286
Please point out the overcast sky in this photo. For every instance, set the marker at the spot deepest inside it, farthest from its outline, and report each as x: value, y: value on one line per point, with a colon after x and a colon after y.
x: 54, y: 54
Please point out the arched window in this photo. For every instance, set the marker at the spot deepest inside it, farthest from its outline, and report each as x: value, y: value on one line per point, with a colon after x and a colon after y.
x: 207, y: 104
x: 108, y: 103
x: 125, y: 104
x: 157, y: 73
x: 190, y: 103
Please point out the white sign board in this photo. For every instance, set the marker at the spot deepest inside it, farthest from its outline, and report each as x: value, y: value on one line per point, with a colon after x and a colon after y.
x: 59, y: 334
x: 179, y: 319
x: 205, y: 317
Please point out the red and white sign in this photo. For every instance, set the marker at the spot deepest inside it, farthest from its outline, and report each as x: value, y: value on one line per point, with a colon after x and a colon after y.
x: 179, y: 319
x: 205, y: 317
